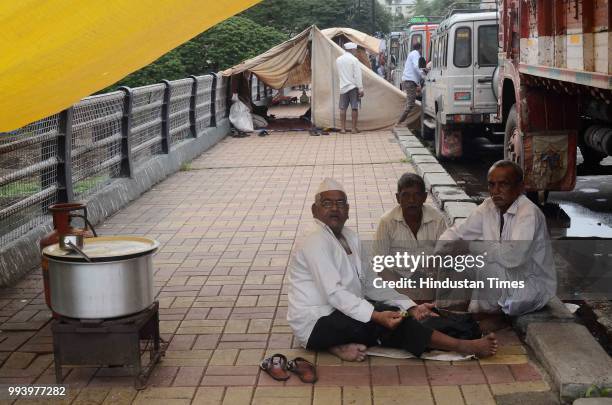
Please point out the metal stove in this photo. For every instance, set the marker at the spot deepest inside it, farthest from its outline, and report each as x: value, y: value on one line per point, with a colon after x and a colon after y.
x: 118, y: 342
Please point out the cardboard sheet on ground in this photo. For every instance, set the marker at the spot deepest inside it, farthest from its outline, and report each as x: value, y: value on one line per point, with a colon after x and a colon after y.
x: 54, y: 53
x: 431, y: 355
x: 310, y: 58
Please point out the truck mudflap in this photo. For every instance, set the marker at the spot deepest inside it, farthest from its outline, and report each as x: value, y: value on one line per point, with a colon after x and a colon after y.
x: 550, y: 160
x: 451, y: 140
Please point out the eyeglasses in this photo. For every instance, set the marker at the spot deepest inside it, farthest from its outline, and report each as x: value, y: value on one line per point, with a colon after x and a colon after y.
x: 331, y: 203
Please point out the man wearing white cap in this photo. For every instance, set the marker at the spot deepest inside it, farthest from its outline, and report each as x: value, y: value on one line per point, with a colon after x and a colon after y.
x: 329, y: 292
x: 351, y: 85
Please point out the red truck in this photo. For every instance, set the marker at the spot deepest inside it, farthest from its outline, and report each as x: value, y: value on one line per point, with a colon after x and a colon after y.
x: 554, y: 87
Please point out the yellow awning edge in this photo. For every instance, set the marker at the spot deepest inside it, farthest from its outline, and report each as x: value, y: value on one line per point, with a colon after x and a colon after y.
x: 54, y: 53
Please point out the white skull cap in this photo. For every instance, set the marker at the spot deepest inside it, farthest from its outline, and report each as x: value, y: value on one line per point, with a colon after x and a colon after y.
x: 350, y: 45
x: 329, y: 184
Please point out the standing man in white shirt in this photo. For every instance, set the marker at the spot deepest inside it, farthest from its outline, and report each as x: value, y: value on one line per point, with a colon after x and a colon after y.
x: 351, y: 85
x: 328, y: 287
x: 515, y: 242
x: 411, y: 80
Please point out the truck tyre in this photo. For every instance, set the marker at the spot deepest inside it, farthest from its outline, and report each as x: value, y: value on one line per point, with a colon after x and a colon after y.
x: 513, y: 146
x: 513, y: 150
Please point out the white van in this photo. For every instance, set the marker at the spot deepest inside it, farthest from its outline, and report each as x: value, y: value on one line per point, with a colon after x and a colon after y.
x: 458, y: 99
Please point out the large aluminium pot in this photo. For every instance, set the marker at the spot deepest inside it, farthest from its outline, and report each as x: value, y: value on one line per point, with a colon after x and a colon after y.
x: 118, y: 281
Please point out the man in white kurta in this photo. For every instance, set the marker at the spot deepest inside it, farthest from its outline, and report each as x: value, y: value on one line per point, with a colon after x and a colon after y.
x: 329, y: 291
x: 351, y: 85
x: 515, y: 238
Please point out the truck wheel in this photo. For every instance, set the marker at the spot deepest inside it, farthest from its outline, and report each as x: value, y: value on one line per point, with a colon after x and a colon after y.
x: 513, y: 143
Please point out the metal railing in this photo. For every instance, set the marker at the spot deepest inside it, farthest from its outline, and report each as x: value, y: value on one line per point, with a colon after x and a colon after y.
x: 73, y: 154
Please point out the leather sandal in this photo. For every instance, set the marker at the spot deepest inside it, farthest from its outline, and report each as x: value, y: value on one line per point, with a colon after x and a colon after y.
x: 276, y: 367
x: 304, y: 369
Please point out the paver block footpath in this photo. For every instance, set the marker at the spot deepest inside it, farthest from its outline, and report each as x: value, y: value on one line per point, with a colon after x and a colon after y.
x: 572, y: 357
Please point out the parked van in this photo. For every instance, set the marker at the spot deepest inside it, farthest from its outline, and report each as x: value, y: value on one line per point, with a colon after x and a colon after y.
x: 458, y: 99
x: 415, y: 34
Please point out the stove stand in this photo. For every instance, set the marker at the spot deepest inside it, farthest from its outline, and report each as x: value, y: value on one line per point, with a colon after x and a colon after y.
x: 119, y: 342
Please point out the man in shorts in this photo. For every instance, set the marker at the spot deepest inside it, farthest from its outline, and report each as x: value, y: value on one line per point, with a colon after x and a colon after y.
x: 351, y: 85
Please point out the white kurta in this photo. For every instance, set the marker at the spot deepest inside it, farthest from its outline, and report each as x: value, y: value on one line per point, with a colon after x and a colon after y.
x: 522, y: 252
x: 349, y: 73
x: 323, y: 277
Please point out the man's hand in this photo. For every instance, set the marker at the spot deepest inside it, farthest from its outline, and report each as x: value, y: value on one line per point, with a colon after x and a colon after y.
x: 361, y: 93
x: 422, y: 311
x: 387, y: 319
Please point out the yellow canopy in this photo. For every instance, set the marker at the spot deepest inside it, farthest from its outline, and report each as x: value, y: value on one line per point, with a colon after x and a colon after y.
x: 55, y: 52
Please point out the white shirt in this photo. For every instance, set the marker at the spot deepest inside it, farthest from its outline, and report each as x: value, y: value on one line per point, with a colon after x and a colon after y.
x: 323, y: 277
x: 411, y: 68
x: 529, y: 258
x: 349, y: 73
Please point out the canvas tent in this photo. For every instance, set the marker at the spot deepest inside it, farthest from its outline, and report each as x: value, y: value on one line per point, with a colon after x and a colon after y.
x: 310, y: 58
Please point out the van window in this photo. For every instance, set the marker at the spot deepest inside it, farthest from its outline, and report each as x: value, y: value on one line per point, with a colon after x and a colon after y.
x: 487, y: 45
x: 462, y: 54
x: 416, y: 39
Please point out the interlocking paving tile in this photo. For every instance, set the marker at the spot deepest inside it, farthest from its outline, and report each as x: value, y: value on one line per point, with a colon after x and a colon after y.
x: 226, y: 229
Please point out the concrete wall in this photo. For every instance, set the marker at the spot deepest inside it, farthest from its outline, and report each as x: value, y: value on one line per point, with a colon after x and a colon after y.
x: 22, y: 255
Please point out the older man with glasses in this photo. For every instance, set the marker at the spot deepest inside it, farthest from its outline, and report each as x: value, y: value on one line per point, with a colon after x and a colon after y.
x: 512, y: 235
x: 329, y: 294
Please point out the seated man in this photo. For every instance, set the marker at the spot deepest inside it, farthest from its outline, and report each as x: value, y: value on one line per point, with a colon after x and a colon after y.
x: 412, y: 226
x: 328, y: 309
x: 516, y: 245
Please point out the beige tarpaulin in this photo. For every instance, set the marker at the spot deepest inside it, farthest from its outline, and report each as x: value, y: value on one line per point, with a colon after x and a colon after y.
x: 310, y: 57
x: 286, y: 64
x: 366, y: 41
x: 381, y: 105
x: 56, y: 52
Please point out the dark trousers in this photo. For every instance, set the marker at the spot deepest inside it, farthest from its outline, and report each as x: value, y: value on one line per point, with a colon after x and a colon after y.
x: 338, y: 329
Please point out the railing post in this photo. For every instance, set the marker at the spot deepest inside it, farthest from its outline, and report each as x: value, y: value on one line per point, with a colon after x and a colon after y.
x: 126, y: 133
x: 64, y: 157
x: 228, y: 97
x: 165, y: 133
x: 213, y: 101
x: 192, y: 107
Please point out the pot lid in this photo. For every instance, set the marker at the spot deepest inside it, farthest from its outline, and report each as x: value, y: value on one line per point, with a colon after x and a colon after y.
x: 105, y: 248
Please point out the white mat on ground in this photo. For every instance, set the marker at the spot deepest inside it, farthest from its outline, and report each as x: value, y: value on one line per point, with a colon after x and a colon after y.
x: 431, y: 355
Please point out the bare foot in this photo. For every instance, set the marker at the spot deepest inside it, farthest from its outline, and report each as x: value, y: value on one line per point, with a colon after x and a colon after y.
x: 484, y: 347
x: 349, y: 352
x: 355, y: 131
x: 343, y: 131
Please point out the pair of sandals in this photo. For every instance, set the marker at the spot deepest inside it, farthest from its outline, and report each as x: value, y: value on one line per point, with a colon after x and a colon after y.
x: 277, y: 367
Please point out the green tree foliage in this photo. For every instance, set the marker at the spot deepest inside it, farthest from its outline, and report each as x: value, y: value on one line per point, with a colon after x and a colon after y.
x: 293, y: 16
x: 224, y: 45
